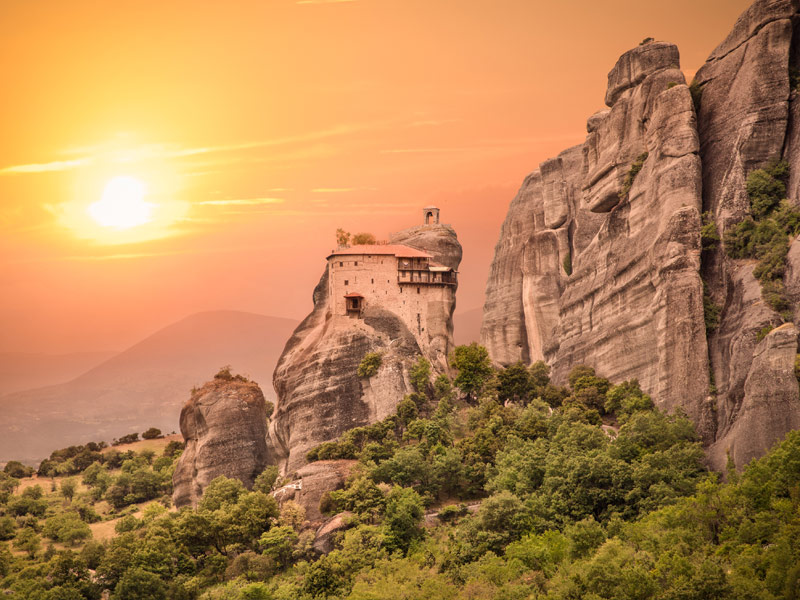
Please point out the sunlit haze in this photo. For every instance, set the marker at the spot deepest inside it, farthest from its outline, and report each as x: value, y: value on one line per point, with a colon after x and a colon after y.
x: 166, y: 158
x: 122, y: 205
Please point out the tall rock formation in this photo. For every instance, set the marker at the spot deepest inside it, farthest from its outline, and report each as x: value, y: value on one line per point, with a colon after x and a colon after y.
x: 747, y: 116
x: 224, y: 425
x: 319, y: 392
x: 598, y: 260
x: 622, y: 211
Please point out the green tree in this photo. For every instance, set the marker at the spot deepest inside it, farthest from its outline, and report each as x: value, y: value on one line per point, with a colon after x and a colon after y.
x: 474, y: 368
x: 266, y: 479
x: 7, y: 486
x: 28, y: 541
x: 342, y: 238
x: 515, y: 383
x: 67, y: 528
x: 278, y: 543
x: 7, y: 527
x: 420, y: 375
x: 16, y: 469
x: 151, y: 434
x: 363, y: 238
x: 138, y: 584
x: 68, y: 487
x: 404, y: 513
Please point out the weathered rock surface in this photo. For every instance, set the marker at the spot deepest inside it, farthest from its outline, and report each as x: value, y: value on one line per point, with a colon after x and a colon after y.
x: 771, y: 405
x: 224, y: 427
x: 320, y: 395
x: 325, y: 537
x: 632, y: 306
x: 311, y: 482
x: 745, y: 120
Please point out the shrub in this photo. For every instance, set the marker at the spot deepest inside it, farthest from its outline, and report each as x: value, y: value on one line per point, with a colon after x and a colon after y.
x: 363, y: 238
x: 765, y: 236
x: 696, y: 90
x: 452, y: 512
x: 369, y: 364
x: 709, y: 236
x: 173, y: 449
x: 763, y: 332
x: 420, y: 375
x: 67, y: 528
x: 711, y: 311
x: 16, y: 469
x: 627, y: 184
x: 266, y: 479
x: 126, y: 439
x: 567, y: 264
x: 151, y: 434
x: 225, y: 374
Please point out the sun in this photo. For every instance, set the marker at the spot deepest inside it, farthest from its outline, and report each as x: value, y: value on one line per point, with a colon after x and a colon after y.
x: 122, y: 204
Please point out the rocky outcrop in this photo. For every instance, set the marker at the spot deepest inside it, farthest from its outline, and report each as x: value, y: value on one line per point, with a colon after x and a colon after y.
x: 311, y: 482
x: 771, y: 405
x: 598, y: 260
x: 327, y: 534
x: 632, y: 306
x: 224, y: 427
x: 745, y: 119
x: 320, y: 395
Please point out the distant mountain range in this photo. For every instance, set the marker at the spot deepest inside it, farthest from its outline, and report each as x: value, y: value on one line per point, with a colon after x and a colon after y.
x: 23, y: 371
x: 143, y: 386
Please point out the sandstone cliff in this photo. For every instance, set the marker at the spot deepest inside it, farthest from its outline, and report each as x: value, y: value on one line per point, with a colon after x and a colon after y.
x: 599, y: 256
x: 745, y: 118
x: 599, y: 259
x: 224, y: 426
x: 319, y: 392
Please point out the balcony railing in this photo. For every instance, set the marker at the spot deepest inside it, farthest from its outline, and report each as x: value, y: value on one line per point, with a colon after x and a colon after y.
x: 427, y: 278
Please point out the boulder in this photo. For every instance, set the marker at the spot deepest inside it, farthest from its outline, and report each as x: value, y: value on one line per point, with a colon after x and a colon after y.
x: 224, y: 427
x: 771, y: 405
x: 326, y: 535
x: 312, y: 482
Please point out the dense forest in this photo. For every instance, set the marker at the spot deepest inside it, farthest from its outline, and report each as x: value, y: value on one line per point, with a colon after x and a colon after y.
x: 497, y: 484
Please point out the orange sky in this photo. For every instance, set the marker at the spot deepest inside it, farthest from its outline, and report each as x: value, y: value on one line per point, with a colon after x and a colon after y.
x: 261, y: 127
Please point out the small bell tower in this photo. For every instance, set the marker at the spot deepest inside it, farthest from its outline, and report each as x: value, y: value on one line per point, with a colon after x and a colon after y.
x: 431, y: 215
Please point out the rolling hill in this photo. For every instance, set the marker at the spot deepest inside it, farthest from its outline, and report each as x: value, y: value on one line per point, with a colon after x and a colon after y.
x: 23, y: 371
x: 143, y: 386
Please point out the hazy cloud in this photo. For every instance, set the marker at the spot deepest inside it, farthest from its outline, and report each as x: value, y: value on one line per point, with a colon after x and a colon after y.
x: 242, y: 202
x: 323, y: 1
x: 58, y: 165
x: 333, y: 190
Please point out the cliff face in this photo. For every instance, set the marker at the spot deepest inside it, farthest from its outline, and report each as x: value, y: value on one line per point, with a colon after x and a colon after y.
x: 599, y: 257
x: 632, y: 306
x: 319, y: 392
x: 224, y: 425
x: 745, y: 119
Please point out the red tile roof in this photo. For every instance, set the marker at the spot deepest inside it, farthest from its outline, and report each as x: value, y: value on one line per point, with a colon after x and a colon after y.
x: 398, y: 250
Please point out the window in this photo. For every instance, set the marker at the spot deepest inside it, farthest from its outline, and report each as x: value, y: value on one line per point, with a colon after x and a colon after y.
x: 341, y: 264
x: 346, y: 282
x: 418, y: 290
x: 355, y: 263
x: 372, y: 280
